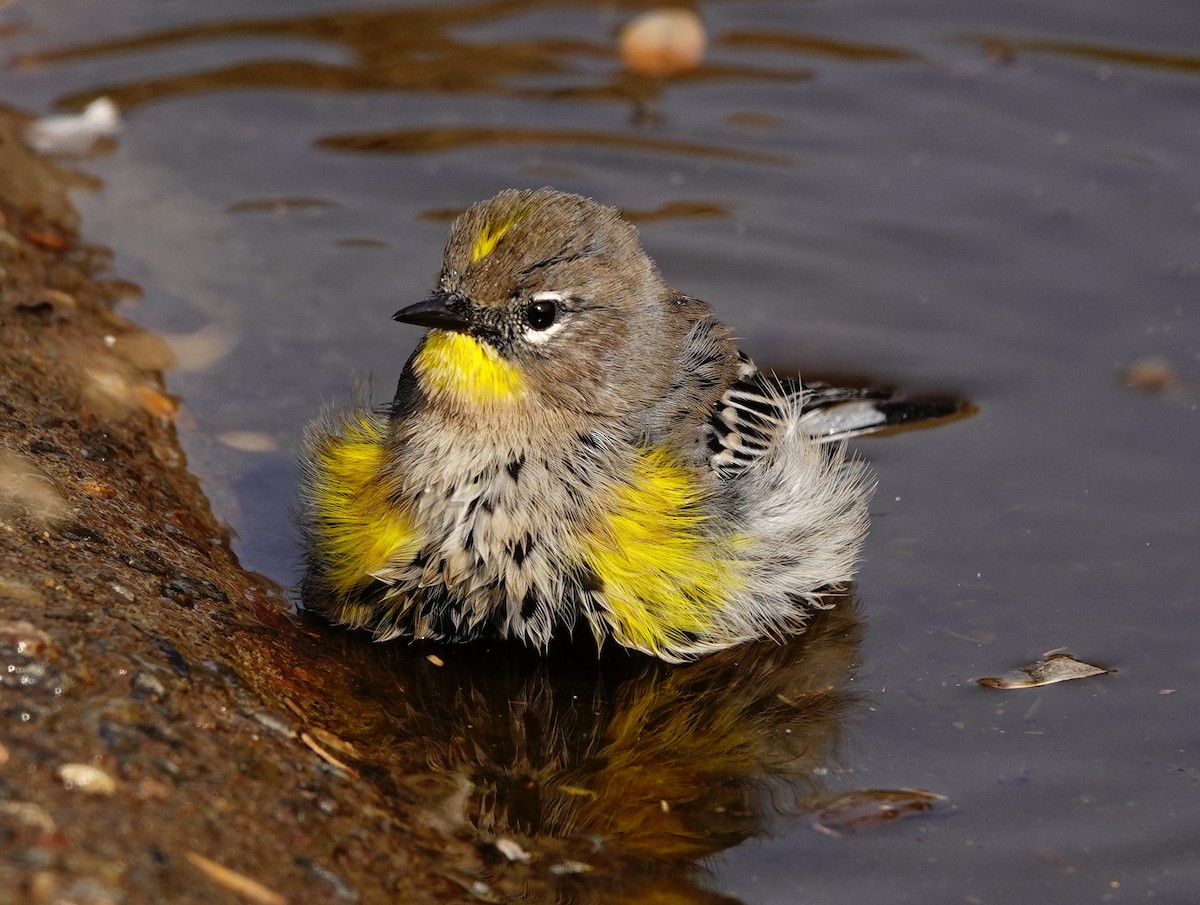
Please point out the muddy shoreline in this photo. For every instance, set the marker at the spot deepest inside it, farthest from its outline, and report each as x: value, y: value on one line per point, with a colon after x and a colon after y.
x: 156, y: 709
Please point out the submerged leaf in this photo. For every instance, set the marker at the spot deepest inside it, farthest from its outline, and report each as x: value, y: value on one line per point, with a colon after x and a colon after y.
x: 1056, y: 668
x: 869, y: 809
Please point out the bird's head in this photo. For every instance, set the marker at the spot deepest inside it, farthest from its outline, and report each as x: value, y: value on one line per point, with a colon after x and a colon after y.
x: 542, y: 293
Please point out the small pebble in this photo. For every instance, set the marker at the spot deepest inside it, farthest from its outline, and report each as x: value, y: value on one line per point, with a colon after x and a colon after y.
x: 121, y: 591
x: 146, y: 684
x: 270, y: 721
x: 26, y: 638
x: 157, y: 403
x: 98, y: 490
x: 87, y: 778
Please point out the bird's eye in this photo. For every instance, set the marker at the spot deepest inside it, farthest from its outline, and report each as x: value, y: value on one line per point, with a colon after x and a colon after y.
x: 541, y: 315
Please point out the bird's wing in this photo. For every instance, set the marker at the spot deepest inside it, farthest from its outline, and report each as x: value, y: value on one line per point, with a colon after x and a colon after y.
x: 754, y: 412
x: 748, y: 418
x: 832, y: 413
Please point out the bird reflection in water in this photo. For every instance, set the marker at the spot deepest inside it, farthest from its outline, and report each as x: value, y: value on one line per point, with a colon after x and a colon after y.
x: 582, y: 779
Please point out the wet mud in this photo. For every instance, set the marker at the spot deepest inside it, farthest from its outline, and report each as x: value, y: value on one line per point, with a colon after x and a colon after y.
x: 154, y: 695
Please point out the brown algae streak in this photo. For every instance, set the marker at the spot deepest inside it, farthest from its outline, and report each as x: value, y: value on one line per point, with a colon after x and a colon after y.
x: 451, y: 138
x: 418, y: 49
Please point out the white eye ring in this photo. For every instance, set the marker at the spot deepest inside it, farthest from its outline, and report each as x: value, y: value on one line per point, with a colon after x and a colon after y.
x: 537, y: 337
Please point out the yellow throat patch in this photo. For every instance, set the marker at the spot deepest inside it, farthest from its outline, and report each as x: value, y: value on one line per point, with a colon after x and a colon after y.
x: 666, y: 574
x: 465, y: 370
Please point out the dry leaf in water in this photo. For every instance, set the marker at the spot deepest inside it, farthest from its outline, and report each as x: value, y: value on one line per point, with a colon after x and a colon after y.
x: 1155, y: 374
x: 1057, y: 668
x: 869, y: 809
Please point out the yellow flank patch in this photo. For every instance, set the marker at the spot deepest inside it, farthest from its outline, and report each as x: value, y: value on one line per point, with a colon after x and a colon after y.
x: 359, y: 528
x: 489, y: 237
x: 470, y: 372
x: 665, y: 576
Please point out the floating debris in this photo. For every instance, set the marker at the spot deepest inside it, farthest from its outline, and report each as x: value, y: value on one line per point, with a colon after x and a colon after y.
x: 87, y: 778
x: 676, y: 209
x: 75, y: 133
x: 203, y: 348
x: 239, y: 883
x: 435, y: 660
x: 1155, y: 375
x: 1055, y: 668
x: 361, y: 242
x: 249, y: 441
x: 144, y: 350
x: 663, y: 42
x: 278, y: 205
x: 869, y: 809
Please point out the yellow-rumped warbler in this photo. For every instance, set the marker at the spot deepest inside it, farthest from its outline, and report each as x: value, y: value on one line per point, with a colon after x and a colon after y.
x: 573, y: 442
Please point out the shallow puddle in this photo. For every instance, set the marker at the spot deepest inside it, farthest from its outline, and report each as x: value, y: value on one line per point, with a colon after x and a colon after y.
x: 1001, y: 205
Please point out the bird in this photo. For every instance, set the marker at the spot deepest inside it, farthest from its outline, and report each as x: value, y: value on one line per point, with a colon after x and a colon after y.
x: 576, y: 447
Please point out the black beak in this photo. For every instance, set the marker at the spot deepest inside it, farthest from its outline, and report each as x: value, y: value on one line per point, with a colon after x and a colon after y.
x: 442, y: 310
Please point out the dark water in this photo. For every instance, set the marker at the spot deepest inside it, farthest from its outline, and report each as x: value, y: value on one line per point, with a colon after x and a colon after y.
x: 997, y: 201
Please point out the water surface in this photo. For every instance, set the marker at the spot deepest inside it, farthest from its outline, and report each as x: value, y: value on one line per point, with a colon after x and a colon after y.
x: 997, y: 201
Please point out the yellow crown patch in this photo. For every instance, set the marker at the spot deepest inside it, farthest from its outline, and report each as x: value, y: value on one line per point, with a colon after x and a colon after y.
x: 495, y: 229
x: 489, y: 237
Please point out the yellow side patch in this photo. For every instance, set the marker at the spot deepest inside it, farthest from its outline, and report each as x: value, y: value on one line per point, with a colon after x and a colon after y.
x: 468, y: 371
x: 665, y: 577
x: 359, y: 528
